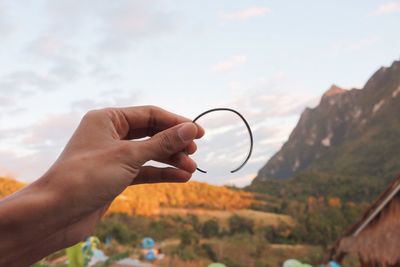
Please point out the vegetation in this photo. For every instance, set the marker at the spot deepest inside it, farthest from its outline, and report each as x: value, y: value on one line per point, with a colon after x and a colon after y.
x: 9, y: 186
x: 149, y: 199
x: 242, y: 237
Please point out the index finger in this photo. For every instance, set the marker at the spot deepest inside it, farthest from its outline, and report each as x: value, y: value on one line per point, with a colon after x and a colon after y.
x: 148, y: 120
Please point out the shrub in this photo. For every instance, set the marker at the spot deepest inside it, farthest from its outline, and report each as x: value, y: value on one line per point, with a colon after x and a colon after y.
x: 239, y: 224
x: 210, y: 228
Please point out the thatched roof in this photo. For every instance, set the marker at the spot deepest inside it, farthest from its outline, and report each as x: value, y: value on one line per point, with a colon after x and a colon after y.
x: 376, y: 237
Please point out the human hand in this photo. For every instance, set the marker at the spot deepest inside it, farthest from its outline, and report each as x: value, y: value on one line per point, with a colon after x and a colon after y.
x: 98, y: 163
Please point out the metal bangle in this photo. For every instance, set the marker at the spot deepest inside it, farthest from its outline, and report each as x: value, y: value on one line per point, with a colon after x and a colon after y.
x: 248, y: 129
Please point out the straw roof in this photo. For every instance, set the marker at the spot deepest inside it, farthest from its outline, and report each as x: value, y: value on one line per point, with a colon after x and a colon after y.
x: 376, y: 237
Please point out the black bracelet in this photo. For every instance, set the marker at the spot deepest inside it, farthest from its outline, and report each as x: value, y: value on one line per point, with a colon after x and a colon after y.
x: 248, y: 129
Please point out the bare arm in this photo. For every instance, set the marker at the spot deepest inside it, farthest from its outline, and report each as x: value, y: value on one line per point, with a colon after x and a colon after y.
x: 98, y: 163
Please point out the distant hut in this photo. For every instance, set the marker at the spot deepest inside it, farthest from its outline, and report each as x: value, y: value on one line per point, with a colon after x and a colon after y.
x: 375, y: 239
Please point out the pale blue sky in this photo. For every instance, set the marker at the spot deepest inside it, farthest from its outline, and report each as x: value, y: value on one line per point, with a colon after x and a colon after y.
x: 267, y: 59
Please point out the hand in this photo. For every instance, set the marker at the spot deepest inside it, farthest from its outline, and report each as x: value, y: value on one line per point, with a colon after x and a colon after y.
x: 100, y: 161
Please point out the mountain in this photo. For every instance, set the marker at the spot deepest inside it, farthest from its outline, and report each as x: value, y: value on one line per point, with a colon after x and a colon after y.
x: 350, y: 134
x: 149, y: 199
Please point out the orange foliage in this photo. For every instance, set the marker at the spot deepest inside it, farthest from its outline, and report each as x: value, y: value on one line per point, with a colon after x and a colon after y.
x: 8, y: 186
x: 311, y: 201
x: 148, y: 199
x: 335, y: 202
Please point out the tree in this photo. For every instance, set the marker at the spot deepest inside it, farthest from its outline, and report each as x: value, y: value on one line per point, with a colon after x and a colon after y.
x: 210, y: 228
x: 239, y: 224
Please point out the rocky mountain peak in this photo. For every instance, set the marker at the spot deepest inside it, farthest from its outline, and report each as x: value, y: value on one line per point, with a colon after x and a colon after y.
x: 332, y: 91
x: 340, y: 118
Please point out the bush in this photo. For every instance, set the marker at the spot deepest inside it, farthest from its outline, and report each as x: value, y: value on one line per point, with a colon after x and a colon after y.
x: 210, y: 229
x: 117, y: 230
x: 188, y: 238
x: 239, y: 224
x: 209, y: 251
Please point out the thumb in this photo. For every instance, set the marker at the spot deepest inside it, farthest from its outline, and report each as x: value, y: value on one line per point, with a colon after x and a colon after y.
x: 170, y: 141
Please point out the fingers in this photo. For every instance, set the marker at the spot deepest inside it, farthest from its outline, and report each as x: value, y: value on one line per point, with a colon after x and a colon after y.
x: 168, y: 142
x: 191, y: 148
x: 150, y: 175
x: 181, y: 161
x: 149, y: 120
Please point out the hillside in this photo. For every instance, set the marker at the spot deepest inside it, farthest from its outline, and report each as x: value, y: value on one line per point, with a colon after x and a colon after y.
x: 346, y: 146
x: 8, y: 186
x: 148, y: 199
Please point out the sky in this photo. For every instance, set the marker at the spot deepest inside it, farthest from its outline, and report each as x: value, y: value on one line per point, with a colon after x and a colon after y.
x: 267, y: 59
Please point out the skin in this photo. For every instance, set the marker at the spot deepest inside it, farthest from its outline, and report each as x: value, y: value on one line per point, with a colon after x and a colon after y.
x: 98, y: 163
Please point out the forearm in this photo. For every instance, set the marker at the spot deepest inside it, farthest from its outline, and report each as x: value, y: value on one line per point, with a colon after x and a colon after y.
x: 30, y: 225
x: 98, y: 163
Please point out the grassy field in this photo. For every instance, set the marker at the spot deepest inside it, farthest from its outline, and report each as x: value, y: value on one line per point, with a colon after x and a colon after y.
x: 259, y: 218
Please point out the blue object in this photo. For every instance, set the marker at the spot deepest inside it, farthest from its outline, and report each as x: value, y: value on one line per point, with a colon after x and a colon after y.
x: 150, y: 256
x: 148, y: 243
x: 334, y: 264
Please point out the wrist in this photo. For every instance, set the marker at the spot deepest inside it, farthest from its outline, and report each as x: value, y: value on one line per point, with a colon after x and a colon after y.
x: 27, y: 217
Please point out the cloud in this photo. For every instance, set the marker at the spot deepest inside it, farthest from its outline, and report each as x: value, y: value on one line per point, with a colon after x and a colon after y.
x: 31, y: 150
x: 47, y: 46
x: 62, y: 70
x: 385, y: 9
x: 5, y: 158
x: 241, y: 181
x: 28, y: 82
x: 6, y: 101
x: 51, y: 133
x: 25, y: 82
x: 62, y: 59
x: 26, y: 168
x: 109, y: 99
x: 6, y: 28
x: 271, y: 115
x: 112, y: 26
x: 364, y: 43
x: 355, y: 45
x: 247, y: 13
x: 230, y: 63
x: 132, y: 21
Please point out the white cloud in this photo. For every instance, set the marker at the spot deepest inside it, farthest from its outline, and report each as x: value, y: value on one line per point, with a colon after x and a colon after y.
x: 241, y: 181
x: 25, y: 82
x: 131, y: 21
x: 47, y: 46
x: 6, y: 28
x: 54, y: 131
x: 244, y: 14
x: 108, y: 26
x: 27, y: 152
x: 385, y: 9
x: 271, y: 116
x: 364, y: 43
x: 108, y: 99
x: 230, y: 63
x: 6, y: 101
x: 26, y: 168
x: 355, y: 45
x: 30, y: 81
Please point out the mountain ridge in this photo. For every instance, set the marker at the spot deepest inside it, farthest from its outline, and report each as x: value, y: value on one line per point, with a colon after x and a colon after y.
x: 359, y: 125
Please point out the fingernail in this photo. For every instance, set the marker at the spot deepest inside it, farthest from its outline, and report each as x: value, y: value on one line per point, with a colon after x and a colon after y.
x: 187, y: 131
